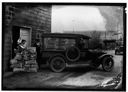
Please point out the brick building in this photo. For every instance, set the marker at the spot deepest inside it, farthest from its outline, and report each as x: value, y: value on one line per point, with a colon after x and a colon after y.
x: 24, y: 20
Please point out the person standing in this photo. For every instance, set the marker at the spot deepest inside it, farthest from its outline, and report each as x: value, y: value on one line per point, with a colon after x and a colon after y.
x: 37, y: 45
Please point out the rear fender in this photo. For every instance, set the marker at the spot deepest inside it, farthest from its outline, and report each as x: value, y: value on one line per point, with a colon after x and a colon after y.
x: 56, y: 55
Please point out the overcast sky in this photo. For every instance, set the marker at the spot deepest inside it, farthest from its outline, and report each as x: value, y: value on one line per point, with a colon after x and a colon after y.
x: 77, y: 18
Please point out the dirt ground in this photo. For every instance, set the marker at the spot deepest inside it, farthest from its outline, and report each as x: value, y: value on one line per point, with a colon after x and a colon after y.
x: 70, y: 78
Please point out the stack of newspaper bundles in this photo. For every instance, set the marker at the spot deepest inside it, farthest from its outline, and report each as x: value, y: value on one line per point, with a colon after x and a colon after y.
x: 25, y: 61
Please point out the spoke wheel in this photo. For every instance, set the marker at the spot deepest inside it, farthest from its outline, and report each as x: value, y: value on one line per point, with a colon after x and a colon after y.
x: 57, y: 64
x: 107, y: 64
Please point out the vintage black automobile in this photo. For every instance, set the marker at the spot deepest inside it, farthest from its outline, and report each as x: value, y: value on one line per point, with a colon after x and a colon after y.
x: 61, y: 50
x: 119, y: 50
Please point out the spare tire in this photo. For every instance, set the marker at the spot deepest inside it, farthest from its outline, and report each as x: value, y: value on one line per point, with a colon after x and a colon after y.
x: 72, y: 54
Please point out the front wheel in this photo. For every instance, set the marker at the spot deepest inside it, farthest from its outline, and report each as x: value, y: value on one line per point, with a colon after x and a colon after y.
x: 107, y: 64
x: 57, y: 64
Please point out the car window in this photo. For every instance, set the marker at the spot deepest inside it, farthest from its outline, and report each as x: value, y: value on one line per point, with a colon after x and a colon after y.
x: 83, y: 43
x: 58, y: 43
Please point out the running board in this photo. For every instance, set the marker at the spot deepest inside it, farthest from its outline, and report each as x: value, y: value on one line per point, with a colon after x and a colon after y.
x: 77, y: 65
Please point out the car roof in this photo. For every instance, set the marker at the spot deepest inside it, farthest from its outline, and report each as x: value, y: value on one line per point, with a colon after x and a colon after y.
x: 65, y: 35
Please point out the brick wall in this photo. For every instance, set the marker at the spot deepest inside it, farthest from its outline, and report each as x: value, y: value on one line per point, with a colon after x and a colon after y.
x: 35, y: 16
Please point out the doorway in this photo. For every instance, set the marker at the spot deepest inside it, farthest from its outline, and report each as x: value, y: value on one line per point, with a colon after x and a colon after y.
x: 26, y: 35
x: 20, y: 32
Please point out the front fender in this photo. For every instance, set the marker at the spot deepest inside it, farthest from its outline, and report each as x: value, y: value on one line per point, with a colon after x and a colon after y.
x: 104, y: 55
x: 56, y: 55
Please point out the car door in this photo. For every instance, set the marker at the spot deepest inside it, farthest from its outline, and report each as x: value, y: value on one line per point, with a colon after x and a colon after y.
x: 84, y: 52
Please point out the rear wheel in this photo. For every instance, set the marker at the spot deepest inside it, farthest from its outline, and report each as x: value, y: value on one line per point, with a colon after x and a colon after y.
x: 107, y: 64
x: 57, y: 64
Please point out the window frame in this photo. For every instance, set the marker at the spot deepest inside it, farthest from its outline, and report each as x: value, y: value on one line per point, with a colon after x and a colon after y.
x: 45, y: 49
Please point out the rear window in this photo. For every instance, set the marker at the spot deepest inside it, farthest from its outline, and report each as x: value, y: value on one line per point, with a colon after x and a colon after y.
x: 58, y: 43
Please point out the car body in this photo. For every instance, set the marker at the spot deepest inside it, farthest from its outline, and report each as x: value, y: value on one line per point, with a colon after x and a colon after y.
x: 60, y: 50
x: 119, y: 50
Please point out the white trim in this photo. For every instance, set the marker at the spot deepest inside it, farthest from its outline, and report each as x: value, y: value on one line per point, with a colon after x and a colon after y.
x: 30, y: 32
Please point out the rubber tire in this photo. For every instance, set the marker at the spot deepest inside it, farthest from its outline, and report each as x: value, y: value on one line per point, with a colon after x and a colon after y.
x: 53, y: 61
x: 78, y: 52
x: 107, y: 69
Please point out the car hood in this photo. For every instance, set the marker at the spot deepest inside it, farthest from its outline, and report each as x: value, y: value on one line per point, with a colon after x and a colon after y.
x: 97, y: 52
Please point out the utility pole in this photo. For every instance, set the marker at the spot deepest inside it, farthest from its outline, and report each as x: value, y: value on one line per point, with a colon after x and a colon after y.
x: 73, y: 25
x: 105, y: 35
